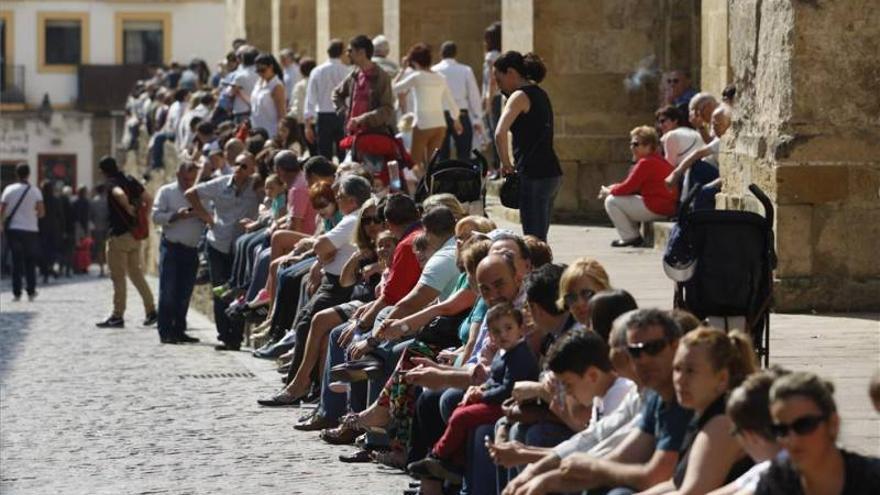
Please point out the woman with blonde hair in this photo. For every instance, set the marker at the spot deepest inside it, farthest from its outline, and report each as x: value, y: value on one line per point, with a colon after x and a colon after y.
x: 580, y: 281
x: 448, y: 200
x: 642, y: 196
x: 707, y: 365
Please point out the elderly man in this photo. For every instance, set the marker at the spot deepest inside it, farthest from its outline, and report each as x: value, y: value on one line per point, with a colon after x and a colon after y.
x: 381, y: 49
x: 232, y: 198
x: 463, y: 86
x: 178, y: 254
x: 700, y: 109
x: 678, y: 89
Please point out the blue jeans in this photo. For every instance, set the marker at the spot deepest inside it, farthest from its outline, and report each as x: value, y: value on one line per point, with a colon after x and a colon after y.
x: 536, y: 198
x: 482, y: 476
x: 157, y: 152
x: 332, y: 404
x: 178, y: 265
x: 259, y: 274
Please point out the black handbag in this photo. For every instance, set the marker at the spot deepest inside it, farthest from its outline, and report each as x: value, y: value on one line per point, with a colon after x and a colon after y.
x: 509, y: 193
x: 442, y: 331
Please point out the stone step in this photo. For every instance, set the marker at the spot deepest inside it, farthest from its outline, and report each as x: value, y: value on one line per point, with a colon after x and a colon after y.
x: 660, y: 231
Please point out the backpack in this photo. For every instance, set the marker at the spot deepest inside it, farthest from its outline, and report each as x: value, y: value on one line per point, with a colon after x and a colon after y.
x: 139, y: 225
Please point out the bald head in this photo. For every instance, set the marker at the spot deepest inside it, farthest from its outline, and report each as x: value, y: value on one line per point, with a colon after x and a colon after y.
x: 496, y: 279
x: 232, y: 149
x: 721, y: 119
x: 702, y: 105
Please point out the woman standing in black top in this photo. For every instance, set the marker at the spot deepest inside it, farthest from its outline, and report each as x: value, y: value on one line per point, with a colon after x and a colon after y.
x: 528, y: 115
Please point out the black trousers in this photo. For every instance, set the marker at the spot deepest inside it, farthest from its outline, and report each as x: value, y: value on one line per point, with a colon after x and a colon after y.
x: 228, y: 331
x: 463, y: 142
x: 330, y: 130
x: 25, y: 249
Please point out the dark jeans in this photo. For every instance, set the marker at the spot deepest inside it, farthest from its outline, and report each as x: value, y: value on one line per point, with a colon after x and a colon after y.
x: 330, y: 129
x: 157, y: 152
x: 287, y: 289
x: 228, y: 331
x: 178, y: 265
x: 329, y: 294
x: 433, y: 410
x: 703, y: 173
x: 536, y: 198
x: 463, y: 142
x: 25, y: 249
x: 242, y: 257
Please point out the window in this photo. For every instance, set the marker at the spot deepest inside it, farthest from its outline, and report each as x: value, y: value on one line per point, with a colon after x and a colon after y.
x: 143, y: 38
x: 142, y: 42
x: 62, y: 41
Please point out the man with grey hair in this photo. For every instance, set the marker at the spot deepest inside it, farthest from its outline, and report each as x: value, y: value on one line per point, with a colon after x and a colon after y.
x: 178, y: 254
x: 290, y: 66
x: 381, y: 49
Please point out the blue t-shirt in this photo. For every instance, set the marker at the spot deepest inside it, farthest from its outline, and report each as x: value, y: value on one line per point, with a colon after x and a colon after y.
x: 666, y: 421
x: 478, y: 312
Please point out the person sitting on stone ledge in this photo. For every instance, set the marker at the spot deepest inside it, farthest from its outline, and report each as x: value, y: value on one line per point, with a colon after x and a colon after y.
x: 641, y: 196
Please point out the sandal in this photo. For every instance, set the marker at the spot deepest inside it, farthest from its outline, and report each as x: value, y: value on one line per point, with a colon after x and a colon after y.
x: 390, y: 458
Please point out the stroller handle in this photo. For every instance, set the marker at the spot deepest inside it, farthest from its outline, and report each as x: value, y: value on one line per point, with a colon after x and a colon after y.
x: 765, y: 202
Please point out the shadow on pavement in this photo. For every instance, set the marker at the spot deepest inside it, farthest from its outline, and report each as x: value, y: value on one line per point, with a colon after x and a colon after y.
x: 13, y: 325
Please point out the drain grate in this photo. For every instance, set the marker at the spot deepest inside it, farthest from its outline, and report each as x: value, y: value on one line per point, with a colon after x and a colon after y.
x: 204, y: 376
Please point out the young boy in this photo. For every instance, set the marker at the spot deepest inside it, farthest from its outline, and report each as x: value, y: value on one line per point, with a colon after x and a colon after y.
x: 482, y: 404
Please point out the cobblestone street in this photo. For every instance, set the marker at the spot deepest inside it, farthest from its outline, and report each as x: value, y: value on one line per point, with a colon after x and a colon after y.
x: 87, y: 411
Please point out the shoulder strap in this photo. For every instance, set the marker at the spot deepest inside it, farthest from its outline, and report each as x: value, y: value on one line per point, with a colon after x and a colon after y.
x: 17, y: 204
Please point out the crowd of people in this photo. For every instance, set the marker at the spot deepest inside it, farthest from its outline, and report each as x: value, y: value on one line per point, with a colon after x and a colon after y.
x: 432, y: 340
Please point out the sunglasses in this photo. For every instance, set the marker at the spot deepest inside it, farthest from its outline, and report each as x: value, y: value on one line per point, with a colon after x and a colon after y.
x: 662, y: 120
x: 651, y: 348
x: 572, y: 297
x: 321, y: 206
x: 635, y: 144
x: 371, y: 220
x: 801, y: 426
x: 672, y: 81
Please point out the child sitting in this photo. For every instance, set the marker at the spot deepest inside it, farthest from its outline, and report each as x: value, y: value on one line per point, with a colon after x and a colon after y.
x: 274, y: 204
x: 482, y: 404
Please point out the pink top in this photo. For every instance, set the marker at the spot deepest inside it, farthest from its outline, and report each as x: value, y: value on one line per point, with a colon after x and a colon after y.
x: 299, y: 205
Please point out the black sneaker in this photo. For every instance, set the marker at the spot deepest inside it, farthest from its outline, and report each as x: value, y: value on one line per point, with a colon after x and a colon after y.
x: 151, y: 319
x: 168, y: 340
x: 111, y: 322
x: 186, y: 339
x: 433, y: 467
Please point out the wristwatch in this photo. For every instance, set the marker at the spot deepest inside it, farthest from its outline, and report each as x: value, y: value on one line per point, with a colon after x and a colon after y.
x: 372, y: 342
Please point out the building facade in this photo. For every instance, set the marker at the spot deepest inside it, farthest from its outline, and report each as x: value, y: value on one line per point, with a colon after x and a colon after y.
x: 48, y: 47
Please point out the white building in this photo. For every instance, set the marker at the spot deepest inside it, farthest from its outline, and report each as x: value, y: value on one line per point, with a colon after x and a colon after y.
x: 45, y: 43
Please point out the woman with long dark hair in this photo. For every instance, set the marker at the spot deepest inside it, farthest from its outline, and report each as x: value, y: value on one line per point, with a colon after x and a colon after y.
x: 268, y: 99
x: 528, y: 115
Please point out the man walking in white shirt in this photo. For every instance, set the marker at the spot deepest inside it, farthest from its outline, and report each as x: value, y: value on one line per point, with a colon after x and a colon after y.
x: 320, y: 112
x: 463, y: 86
x: 21, y: 207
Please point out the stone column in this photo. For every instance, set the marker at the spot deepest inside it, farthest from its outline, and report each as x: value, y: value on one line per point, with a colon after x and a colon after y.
x: 345, y: 19
x: 407, y: 22
x: 603, y: 58
x: 806, y: 131
x: 293, y: 26
x: 715, y: 71
x: 249, y: 19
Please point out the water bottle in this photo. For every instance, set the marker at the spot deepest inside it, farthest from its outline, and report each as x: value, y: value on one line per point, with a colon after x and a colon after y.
x: 394, y: 176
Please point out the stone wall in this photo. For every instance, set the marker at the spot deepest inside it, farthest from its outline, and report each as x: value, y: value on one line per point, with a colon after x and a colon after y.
x: 345, y: 19
x: 715, y: 60
x: 805, y: 127
x: 603, y: 60
x: 249, y: 19
x: 462, y: 21
x: 293, y: 26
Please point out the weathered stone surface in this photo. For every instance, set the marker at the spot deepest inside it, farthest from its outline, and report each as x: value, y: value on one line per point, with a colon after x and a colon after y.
x: 798, y: 244
x: 345, y: 19
x: 293, y: 26
x: 814, y: 184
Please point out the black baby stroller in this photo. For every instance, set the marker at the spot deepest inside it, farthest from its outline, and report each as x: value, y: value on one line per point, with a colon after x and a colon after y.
x: 723, y: 262
x: 462, y: 179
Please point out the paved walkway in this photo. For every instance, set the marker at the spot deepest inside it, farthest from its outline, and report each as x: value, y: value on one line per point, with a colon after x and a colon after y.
x: 88, y: 411
x: 84, y: 410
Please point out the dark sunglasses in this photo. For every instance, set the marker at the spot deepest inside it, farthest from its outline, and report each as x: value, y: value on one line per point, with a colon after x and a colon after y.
x: 321, y: 206
x: 651, y: 348
x: 801, y: 426
x: 635, y: 144
x: 662, y: 120
x: 672, y: 81
x: 371, y: 220
x: 572, y: 297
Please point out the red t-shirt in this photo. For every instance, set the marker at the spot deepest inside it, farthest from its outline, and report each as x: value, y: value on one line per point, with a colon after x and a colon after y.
x: 404, y: 271
x: 647, y: 179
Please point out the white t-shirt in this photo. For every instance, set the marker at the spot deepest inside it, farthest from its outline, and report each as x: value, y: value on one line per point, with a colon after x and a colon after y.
x: 341, y: 238
x: 263, y: 111
x: 25, y: 217
x: 603, y: 435
x: 749, y: 480
x: 440, y: 272
x: 679, y: 143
